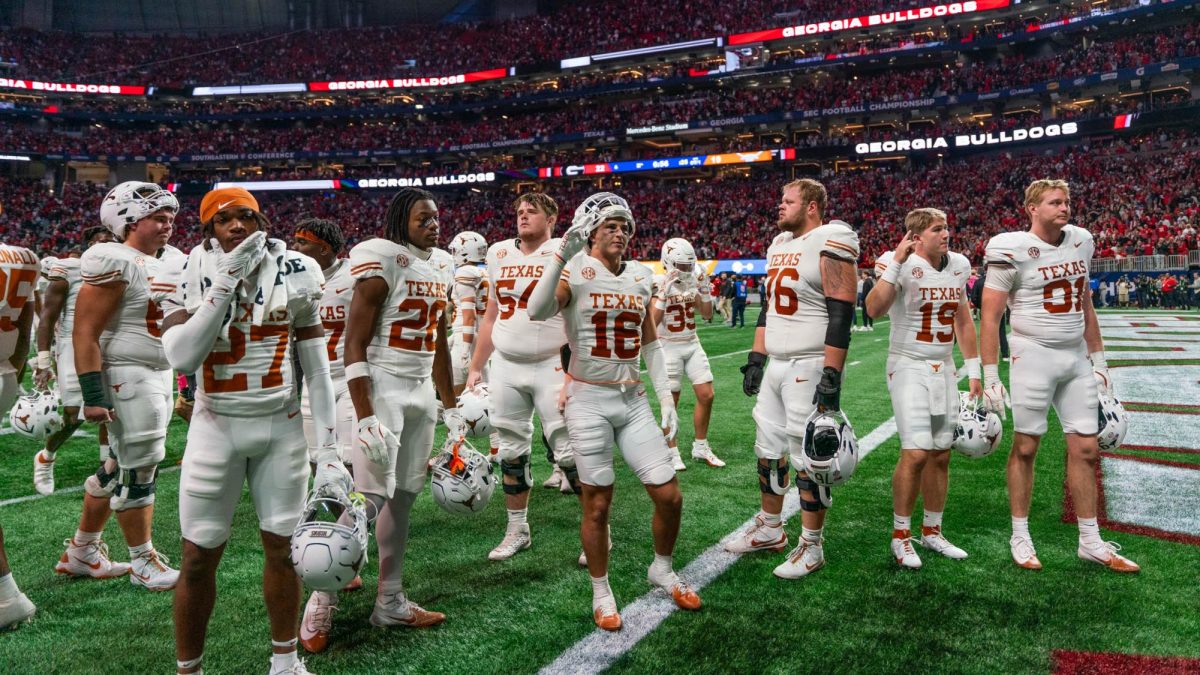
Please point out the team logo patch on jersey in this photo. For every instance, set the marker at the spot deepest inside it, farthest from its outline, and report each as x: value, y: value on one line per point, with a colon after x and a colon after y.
x: 918, y: 272
x: 588, y: 273
x: 1034, y: 252
x: 139, y: 261
x: 402, y: 260
x: 502, y: 253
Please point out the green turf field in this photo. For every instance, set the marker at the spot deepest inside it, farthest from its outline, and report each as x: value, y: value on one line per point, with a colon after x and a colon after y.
x: 861, y: 614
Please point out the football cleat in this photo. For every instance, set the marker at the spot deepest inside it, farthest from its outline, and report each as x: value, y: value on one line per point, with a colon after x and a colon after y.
x: 680, y: 592
x: 1023, y: 553
x: 805, y: 559
x: 355, y: 584
x: 978, y: 430
x: 89, y: 560
x: 606, y: 616
x: 43, y: 473
x: 16, y: 611
x: 1113, y: 422
x: 703, y: 452
x: 830, y: 448
x: 317, y: 622
x: 1107, y: 555
x: 555, y: 479
x: 463, y: 480
x: 759, y: 537
x: 394, y: 610
x: 297, y: 668
x: 150, y: 571
x: 468, y: 248
x: 903, y: 551
x: 676, y: 460
x: 932, y: 539
x: 326, y: 554
x: 513, y: 543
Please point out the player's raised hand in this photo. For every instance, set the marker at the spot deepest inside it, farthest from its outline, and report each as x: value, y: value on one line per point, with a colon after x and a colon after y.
x: 905, y: 247
x: 244, y: 259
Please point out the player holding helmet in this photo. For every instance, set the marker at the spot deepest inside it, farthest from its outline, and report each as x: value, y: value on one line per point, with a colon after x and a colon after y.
x: 469, y: 296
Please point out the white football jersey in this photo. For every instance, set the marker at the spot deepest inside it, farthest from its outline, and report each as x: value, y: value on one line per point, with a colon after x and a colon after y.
x: 418, y: 291
x: 470, y: 291
x: 1050, y: 286
x: 249, y: 371
x: 513, y: 276
x: 796, y: 314
x: 66, y: 269
x: 19, y: 274
x: 604, y: 319
x: 335, y: 310
x: 927, y: 300
x: 133, y: 335
x: 678, y: 323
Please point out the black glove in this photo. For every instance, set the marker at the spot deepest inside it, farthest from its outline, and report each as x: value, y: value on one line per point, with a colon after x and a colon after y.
x: 828, y: 396
x: 752, y: 373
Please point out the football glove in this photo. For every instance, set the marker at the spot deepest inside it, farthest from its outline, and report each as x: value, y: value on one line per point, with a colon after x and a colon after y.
x: 456, y: 426
x: 752, y: 373
x: 378, y: 443
x: 670, y: 422
x: 332, y: 479
x: 1100, y: 371
x: 828, y: 395
x: 995, y: 396
x: 576, y: 237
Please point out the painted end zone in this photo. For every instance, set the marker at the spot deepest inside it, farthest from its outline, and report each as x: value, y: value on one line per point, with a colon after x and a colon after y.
x: 1144, y: 496
x: 1105, y: 663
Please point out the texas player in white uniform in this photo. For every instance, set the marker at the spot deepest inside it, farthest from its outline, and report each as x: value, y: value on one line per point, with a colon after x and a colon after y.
x: 525, y: 370
x: 19, y: 268
x: 1057, y: 360
x: 923, y: 290
x: 54, y: 331
x: 396, y: 355
x: 805, y: 330
x: 323, y: 241
x: 605, y: 303
x: 125, y: 380
x: 679, y: 292
x: 243, y: 304
x: 469, y: 297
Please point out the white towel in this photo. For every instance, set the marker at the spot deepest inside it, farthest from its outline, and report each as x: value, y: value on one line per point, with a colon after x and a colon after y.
x: 936, y: 379
x: 201, y: 267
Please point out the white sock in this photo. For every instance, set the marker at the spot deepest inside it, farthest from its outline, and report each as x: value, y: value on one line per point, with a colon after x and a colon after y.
x: 1089, y: 533
x: 8, y: 587
x: 773, y: 520
x: 933, y: 519
x: 900, y: 522
x: 811, y: 536
x: 1020, y: 527
x: 285, y: 660
x: 135, y: 551
x: 601, y: 591
x: 189, y: 664
x: 663, y: 564
x: 105, y: 451
x: 82, y: 538
x: 517, y: 517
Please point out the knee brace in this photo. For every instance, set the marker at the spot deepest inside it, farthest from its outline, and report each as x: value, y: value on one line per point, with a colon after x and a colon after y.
x: 134, y: 488
x: 101, y: 484
x: 572, y: 473
x: 772, y: 476
x: 822, y: 501
x: 518, y: 469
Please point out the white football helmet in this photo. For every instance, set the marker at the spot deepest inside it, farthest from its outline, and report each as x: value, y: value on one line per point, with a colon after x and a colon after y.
x: 1114, y: 422
x: 678, y: 253
x: 476, y: 408
x: 599, y: 207
x: 830, y: 448
x: 468, y: 248
x: 463, y: 480
x: 131, y: 201
x: 978, y: 430
x: 47, y: 263
x: 325, y: 553
x: 36, y: 415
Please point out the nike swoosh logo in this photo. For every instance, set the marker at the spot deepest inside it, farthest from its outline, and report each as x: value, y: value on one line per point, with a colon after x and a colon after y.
x: 958, y: 274
x: 221, y: 206
x: 94, y: 565
x: 801, y: 379
x: 293, y: 414
x: 339, y: 291
x: 557, y: 369
x: 1079, y: 244
x: 812, y: 566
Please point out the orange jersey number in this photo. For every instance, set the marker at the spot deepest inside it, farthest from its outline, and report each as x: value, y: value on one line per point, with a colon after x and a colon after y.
x: 945, y: 319
x: 237, y: 351
x: 423, y: 323
x: 626, y: 335
x: 10, y: 285
x: 509, y: 304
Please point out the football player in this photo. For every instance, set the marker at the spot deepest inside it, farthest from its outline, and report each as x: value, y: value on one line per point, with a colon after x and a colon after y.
x: 605, y: 302
x: 54, y: 329
x: 679, y: 292
x: 922, y: 288
x: 396, y: 356
x: 20, y: 268
x: 525, y: 368
x: 805, y: 330
x: 1041, y: 274
x: 125, y: 381
x: 468, y: 295
x: 243, y: 303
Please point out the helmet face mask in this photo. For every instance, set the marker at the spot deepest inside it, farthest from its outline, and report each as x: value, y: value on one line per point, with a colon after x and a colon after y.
x: 978, y: 431
x: 132, y: 201
x: 463, y: 480
x: 830, y: 449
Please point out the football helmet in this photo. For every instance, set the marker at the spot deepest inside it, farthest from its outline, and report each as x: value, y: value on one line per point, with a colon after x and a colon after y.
x: 131, y: 201
x: 476, y: 408
x: 978, y: 430
x: 468, y: 248
x: 47, y: 264
x: 1113, y: 423
x: 830, y: 448
x: 678, y: 254
x: 326, y: 553
x: 599, y: 207
x: 463, y: 480
x: 36, y: 415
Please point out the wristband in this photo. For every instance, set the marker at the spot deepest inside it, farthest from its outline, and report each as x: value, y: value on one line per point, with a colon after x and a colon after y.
x: 357, y: 370
x: 991, y: 372
x: 1098, y: 360
x: 973, y: 368
x: 44, y: 362
x: 94, y: 394
x: 892, y: 273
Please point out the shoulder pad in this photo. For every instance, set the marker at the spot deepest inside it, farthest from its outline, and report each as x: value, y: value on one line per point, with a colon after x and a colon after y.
x: 377, y: 258
x: 782, y: 238
x: 1007, y: 247
x: 883, y: 261
x: 107, y: 262
x: 840, y: 241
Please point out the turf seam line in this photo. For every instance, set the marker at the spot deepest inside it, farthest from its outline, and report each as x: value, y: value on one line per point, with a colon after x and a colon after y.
x: 64, y: 491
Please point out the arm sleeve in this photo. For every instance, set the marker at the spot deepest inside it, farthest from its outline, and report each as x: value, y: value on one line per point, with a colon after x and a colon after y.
x: 543, y: 302
x: 188, y: 344
x: 314, y: 361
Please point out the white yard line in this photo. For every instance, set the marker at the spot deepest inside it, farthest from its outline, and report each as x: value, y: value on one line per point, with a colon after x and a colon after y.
x: 64, y: 491
x: 601, y: 649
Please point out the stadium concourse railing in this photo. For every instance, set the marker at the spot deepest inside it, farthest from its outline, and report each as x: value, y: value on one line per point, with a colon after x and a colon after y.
x: 1146, y: 263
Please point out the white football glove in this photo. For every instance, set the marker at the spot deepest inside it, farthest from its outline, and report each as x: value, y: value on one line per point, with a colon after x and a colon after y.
x: 456, y: 426
x: 995, y: 396
x: 670, y: 422
x: 1100, y: 371
x: 378, y: 443
x: 332, y: 479
x: 669, y: 279
x: 575, y: 238
x: 702, y: 281
x: 237, y: 265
